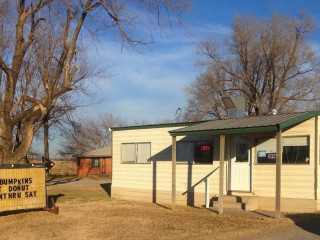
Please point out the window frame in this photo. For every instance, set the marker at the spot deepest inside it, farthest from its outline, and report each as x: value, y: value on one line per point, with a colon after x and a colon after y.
x: 257, y: 151
x: 282, y: 151
x: 177, y: 152
x: 211, y: 152
x: 308, y: 144
x: 194, y: 143
x: 136, y: 153
x: 94, y: 160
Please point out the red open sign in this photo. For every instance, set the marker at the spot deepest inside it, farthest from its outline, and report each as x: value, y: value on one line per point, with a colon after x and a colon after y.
x: 205, y: 148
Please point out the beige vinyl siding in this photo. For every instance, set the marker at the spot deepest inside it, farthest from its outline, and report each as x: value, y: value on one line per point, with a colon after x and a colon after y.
x: 297, y: 180
x: 157, y: 174
x: 152, y: 181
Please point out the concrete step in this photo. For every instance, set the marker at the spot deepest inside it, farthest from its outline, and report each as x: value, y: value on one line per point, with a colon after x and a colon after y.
x: 229, y: 198
x: 233, y: 205
x: 248, y: 203
x: 240, y: 193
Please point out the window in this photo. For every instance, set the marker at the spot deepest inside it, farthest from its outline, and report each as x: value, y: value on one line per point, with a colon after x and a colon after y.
x: 185, y: 152
x: 296, y: 150
x: 135, y: 152
x: 266, y: 150
x: 95, y: 162
x: 242, y: 148
x: 197, y: 152
x: 203, y: 153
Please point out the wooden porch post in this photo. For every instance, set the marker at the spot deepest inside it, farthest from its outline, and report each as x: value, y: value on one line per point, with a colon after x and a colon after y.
x: 278, y: 174
x: 174, y: 158
x: 221, y: 171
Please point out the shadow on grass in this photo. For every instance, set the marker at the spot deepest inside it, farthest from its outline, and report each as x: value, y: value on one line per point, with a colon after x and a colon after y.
x: 263, y: 214
x: 14, y: 212
x: 56, y: 180
x: 163, y: 206
x: 107, y: 188
x: 308, y: 221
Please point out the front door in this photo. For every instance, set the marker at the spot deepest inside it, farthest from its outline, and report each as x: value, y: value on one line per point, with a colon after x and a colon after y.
x: 240, y: 173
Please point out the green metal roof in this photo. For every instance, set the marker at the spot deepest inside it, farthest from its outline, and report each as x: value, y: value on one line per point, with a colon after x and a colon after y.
x: 246, y: 124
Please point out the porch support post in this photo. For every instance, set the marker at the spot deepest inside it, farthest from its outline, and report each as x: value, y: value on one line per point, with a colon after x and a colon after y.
x: 206, y: 181
x: 251, y: 144
x: 316, y: 150
x: 221, y: 171
x: 278, y: 173
x: 174, y: 161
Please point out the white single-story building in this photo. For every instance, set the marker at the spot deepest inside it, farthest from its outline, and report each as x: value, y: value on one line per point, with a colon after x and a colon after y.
x: 270, y: 161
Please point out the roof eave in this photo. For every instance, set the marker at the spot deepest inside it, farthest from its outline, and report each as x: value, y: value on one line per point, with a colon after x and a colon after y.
x: 165, y: 125
x: 299, y: 119
x: 269, y: 128
x: 226, y: 131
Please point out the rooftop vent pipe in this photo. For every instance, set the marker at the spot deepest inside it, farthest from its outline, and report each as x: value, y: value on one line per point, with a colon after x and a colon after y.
x: 274, y: 112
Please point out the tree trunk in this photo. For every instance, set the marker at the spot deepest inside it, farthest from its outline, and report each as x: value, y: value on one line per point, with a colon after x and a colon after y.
x: 46, y: 137
x: 7, y: 153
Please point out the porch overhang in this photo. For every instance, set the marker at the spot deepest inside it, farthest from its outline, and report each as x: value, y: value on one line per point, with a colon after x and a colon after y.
x: 271, y: 123
x: 226, y: 131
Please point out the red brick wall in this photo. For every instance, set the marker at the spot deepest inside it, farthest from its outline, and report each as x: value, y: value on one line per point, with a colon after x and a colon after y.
x: 108, y: 166
x: 85, y: 168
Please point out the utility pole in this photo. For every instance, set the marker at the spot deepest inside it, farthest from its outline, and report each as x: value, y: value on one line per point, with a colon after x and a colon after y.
x: 180, y: 114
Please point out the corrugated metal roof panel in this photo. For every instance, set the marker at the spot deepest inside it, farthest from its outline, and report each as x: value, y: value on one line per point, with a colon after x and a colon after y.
x: 244, y: 123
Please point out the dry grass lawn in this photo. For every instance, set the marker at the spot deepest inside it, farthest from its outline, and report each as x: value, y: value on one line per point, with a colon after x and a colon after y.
x: 87, y: 212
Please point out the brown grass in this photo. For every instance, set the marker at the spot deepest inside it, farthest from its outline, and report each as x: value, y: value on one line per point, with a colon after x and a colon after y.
x: 87, y: 212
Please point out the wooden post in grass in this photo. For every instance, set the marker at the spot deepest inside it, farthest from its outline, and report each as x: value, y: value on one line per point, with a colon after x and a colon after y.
x: 278, y: 174
x: 221, y: 172
x: 174, y: 159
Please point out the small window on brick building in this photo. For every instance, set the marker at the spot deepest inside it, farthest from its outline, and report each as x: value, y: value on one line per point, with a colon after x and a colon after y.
x: 96, y: 162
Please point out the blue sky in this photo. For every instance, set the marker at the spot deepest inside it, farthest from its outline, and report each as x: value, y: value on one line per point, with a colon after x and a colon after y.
x: 148, y: 85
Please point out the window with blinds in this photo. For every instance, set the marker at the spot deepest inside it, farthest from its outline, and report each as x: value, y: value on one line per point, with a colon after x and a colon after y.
x: 135, y: 152
x: 296, y: 150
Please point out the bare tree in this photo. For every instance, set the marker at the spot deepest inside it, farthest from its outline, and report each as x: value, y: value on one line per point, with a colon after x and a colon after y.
x: 25, y: 102
x: 44, y: 50
x: 269, y: 62
x: 87, y: 134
